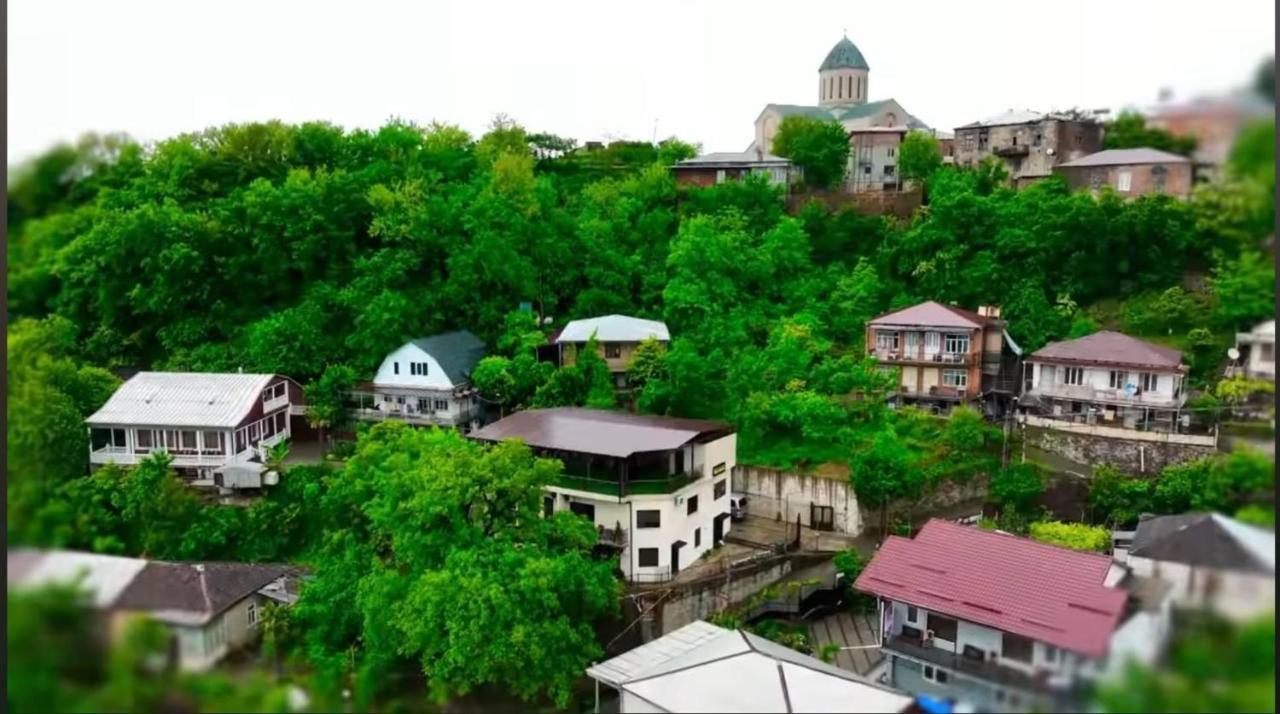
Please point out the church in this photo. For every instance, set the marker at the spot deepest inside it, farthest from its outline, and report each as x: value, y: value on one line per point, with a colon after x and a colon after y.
x: 875, y: 128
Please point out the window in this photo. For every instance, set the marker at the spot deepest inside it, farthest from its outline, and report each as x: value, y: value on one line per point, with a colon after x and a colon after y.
x: 275, y: 391
x: 1050, y: 654
x: 213, y: 442
x: 1036, y: 141
x: 957, y: 344
x: 586, y: 510
x: 931, y: 341
x: 612, y: 350
x: 143, y: 440
x: 888, y: 170
x: 1073, y: 375
x: 719, y: 175
x: 1016, y: 647
x: 935, y: 675
x: 1267, y: 352
x: 886, y: 340
x: 1015, y: 139
x: 719, y: 489
x: 912, y: 613
x: 252, y: 612
x: 188, y: 440
x: 866, y: 170
x: 396, y: 367
x: 424, y: 404
x: 1123, y: 181
x: 691, y: 505
x: 891, y: 151
x: 955, y: 377
x: 648, y: 519
x: 943, y: 628
x: 1117, y: 379
x: 399, y: 400
x: 1150, y: 381
x: 442, y: 405
x: 697, y: 537
x: 648, y: 557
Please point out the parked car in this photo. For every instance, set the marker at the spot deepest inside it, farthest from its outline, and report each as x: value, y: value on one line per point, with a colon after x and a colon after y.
x: 738, y: 506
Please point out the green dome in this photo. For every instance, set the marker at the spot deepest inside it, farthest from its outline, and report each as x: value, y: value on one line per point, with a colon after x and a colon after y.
x: 844, y: 55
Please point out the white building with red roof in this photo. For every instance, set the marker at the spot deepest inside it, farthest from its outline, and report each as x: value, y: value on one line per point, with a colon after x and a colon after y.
x: 1007, y: 623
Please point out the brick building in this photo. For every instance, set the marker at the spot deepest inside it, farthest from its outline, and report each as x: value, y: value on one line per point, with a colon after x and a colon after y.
x: 1130, y: 172
x: 1029, y: 143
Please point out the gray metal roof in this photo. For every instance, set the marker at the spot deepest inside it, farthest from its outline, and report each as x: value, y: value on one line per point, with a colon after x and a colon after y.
x: 1107, y: 348
x: 457, y: 352
x: 1206, y: 540
x: 192, y: 399
x: 647, y: 656
x: 739, y: 672
x: 1122, y: 157
x: 734, y: 158
x: 614, y: 328
x: 599, y: 432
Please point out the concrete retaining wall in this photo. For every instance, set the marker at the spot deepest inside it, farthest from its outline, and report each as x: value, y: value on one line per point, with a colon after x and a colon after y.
x: 1130, y: 455
x: 783, y: 495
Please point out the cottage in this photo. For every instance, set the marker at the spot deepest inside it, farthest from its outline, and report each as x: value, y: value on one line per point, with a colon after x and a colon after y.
x: 210, y: 609
x: 617, y: 336
x: 1213, y: 562
x: 425, y: 382
x: 943, y: 355
x: 1258, y: 349
x: 1006, y: 623
x: 657, y: 488
x: 704, y: 668
x: 1110, y: 379
x: 1130, y: 172
x: 1030, y: 144
x: 212, y: 425
x: 711, y: 169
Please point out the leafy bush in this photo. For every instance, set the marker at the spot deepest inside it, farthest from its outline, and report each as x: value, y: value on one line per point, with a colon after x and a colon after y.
x: 1077, y: 536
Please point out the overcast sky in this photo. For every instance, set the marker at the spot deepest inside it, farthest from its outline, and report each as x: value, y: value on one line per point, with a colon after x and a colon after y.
x: 599, y: 69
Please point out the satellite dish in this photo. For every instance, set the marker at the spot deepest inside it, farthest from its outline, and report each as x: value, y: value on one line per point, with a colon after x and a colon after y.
x: 1233, y: 353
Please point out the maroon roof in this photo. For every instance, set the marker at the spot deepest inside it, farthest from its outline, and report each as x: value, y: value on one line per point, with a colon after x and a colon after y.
x: 934, y: 314
x: 598, y: 431
x: 1112, y: 348
x: 1014, y: 584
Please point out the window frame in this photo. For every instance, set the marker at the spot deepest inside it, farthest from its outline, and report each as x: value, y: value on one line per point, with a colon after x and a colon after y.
x: 1069, y: 372
x: 640, y: 557
x: 1006, y: 638
x: 1124, y: 181
x: 1117, y: 378
x: 955, y: 339
x: 691, y: 505
x: 643, y: 518
x: 950, y: 624
x: 883, y: 341
x: 949, y: 378
x: 720, y: 489
x: 1149, y: 381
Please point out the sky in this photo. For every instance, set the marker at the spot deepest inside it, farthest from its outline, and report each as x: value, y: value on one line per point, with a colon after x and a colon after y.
x: 600, y: 70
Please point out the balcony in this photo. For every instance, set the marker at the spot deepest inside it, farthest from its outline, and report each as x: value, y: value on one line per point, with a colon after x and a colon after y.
x: 638, y: 486
x: 972, y: 665
x: 920, y: 356
x: 1012, y: 150
x: 1086, y: 393
x: 273, y: 404
x: 397, y: 412
x: 123, y: 456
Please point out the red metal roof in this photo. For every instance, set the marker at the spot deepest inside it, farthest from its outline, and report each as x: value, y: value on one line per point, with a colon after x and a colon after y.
x: 1014, y: 584
x: 934, y: 314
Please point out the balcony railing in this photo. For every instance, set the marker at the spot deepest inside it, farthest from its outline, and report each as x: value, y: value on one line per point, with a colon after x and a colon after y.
x: 920, y: 355
x: 411, y: 417
x: 635, y: 486
x: 1084, y: 392
x: 974, y: 665
x: 123, y: 456
x: 1012, y: 150
x: 616, y: 536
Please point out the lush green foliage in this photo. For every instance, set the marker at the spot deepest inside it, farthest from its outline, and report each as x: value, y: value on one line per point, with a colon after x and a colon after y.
x: 1130, y: 131
x: 1223, y: 483
x: 1215, y: 668
x: 820, y: 148
x: 1077, y: 536
x: 919, y: 156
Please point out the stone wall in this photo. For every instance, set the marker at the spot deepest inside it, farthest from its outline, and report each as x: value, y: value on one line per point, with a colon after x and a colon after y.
x: 1128, y: 455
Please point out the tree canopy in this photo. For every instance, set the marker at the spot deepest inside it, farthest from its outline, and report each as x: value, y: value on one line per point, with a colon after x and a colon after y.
x: 820, y: 148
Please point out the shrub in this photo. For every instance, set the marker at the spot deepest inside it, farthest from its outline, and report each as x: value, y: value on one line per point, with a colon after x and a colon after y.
x: 1076, y: 536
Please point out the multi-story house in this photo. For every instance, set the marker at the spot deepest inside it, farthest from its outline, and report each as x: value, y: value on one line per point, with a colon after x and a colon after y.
x: 657, y: 488
x: 208, y: 609
x: 1258, y: 348
x: 1029, y: 143
x: 617, y: 337
x: 425, y: 382
x: 212, y: 425
x: 943, y: 355
x: 1130, y: 172
x: 1107, y: 379
x: 1004, y: 623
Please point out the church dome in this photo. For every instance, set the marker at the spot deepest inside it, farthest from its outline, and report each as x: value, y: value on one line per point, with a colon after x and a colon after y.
x: 844, y: 55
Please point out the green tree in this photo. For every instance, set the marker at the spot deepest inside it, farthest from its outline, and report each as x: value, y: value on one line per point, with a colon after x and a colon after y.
x: 919, y: 156
x: 883, y: 472
x: 1129, y: 130
x: 328, y: 399
x: 1015, y: 488
x: 1116, y: 499
x: 819, y: 148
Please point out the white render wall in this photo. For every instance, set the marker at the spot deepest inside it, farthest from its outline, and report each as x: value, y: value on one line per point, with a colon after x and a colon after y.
x: 435, y: 377
x: 631, y: 704
x: 1237, y: 595
x: 1099, y: 378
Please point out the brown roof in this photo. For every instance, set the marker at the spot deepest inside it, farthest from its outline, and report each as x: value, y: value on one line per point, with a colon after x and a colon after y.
x: 600, y: 432
x: 1112, y: 348
x: 934, y: 314
x: 206, y: 589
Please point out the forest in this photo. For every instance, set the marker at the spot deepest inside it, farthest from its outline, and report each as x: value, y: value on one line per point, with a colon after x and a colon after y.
x: 311, y: 250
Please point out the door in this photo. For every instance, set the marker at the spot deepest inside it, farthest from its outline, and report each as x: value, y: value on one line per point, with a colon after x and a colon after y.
x: 548, y: 506
x: 675, y: 556
x: 822, y: 518
x: 717, y: 529
x: 912, y: 349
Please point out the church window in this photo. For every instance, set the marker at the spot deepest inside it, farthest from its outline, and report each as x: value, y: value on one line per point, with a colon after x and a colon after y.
x: 859, y: 87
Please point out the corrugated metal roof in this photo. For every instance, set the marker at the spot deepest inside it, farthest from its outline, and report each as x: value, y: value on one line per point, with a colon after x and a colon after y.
x: 1026, y: 116
x: 597, y: 431
x: 1111, y: 348
x: 614, y: 328
x: 647, y: 656
x: 1017, y: 585
x: 933, y: 314
x: 1122, y: 157
x: 739, y: 672
x: 194, y: 399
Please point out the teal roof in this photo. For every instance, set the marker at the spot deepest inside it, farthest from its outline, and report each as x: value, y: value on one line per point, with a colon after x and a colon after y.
x: 844, y: 55
x: 843, y: 113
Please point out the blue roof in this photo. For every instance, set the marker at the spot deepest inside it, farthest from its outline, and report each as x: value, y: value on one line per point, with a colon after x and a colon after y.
x: 845, y: 55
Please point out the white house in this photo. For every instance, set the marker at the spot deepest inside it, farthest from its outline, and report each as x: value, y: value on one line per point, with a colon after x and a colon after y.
x: 212, y: 425
x: 1259, y: 346
x: 1006, y: 623
x: 617, y: 336
x: 210, y: 608
x: 1211, y: 561
x: 425, y: 381
x: 704, y: 668
x: 1109, y: 379
x: 657, y: 488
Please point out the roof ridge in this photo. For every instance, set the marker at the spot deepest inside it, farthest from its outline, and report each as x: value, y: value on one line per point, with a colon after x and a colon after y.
x: 1029, y: 541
